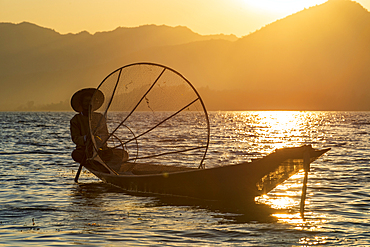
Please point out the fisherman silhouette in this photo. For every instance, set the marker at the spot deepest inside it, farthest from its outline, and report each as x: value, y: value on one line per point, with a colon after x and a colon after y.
x: 81, y: 102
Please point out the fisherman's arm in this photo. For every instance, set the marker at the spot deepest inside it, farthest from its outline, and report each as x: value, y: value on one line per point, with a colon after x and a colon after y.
x: 77, y: 137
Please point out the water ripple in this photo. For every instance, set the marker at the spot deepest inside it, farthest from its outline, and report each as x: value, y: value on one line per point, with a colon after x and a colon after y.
x: 42, y: 206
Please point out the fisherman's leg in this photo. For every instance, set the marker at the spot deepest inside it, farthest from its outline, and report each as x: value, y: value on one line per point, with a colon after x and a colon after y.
x: 79, y: 156
x: 106, y: 154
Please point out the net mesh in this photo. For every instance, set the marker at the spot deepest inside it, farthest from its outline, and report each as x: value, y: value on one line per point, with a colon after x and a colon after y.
x: 152, y: 114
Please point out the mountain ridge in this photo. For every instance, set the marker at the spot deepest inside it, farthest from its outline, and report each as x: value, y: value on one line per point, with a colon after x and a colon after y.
x: 315, y: 59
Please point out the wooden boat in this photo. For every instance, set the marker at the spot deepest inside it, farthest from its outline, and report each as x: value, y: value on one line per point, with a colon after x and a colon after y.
x: 240, y: 182
x: 157, y: 135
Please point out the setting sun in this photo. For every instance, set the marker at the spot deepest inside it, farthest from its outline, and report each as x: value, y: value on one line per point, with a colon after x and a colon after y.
x: 282, y: 6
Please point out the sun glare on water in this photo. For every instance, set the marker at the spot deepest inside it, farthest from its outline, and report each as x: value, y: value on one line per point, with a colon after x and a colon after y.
x: 254, y: 134
x: 283, y: 128
x: 261, y: 132
x: 278, y: 129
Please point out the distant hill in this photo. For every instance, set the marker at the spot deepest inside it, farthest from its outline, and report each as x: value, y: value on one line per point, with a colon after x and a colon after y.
x: 42, y: 66
x: 316, y: 59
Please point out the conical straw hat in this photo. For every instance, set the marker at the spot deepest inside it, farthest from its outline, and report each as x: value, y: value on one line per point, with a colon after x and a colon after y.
x: 97, y: 101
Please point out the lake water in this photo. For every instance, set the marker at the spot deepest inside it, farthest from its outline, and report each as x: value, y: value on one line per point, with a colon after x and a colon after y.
x: 40, y: 205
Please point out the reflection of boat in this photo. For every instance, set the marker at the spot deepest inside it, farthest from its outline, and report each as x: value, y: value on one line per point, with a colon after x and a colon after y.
x: 243, y: 181
x: 156, y: 116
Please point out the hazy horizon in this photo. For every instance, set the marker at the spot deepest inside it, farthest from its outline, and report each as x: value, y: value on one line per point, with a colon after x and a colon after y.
x: 237, y: 17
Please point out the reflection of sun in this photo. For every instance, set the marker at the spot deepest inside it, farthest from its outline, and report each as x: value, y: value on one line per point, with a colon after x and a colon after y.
x: 282, y: 6
x: 278, y: 202
x: 279, y: 119
x: 278, y: 129
x: 282, y: 126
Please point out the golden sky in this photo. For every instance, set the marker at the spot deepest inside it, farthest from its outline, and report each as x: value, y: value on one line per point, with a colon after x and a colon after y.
x: 239, y: 17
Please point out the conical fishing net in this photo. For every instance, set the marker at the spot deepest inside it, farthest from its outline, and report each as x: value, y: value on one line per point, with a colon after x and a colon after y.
x: 150, y: 114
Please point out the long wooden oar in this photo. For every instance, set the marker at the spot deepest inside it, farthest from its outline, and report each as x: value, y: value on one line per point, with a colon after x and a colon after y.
x: 78, y: 173
x: 80, y: 168
x: 306, y: 166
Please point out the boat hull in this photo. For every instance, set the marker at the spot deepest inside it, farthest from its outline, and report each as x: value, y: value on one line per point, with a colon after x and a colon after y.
x: 243, y: 181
